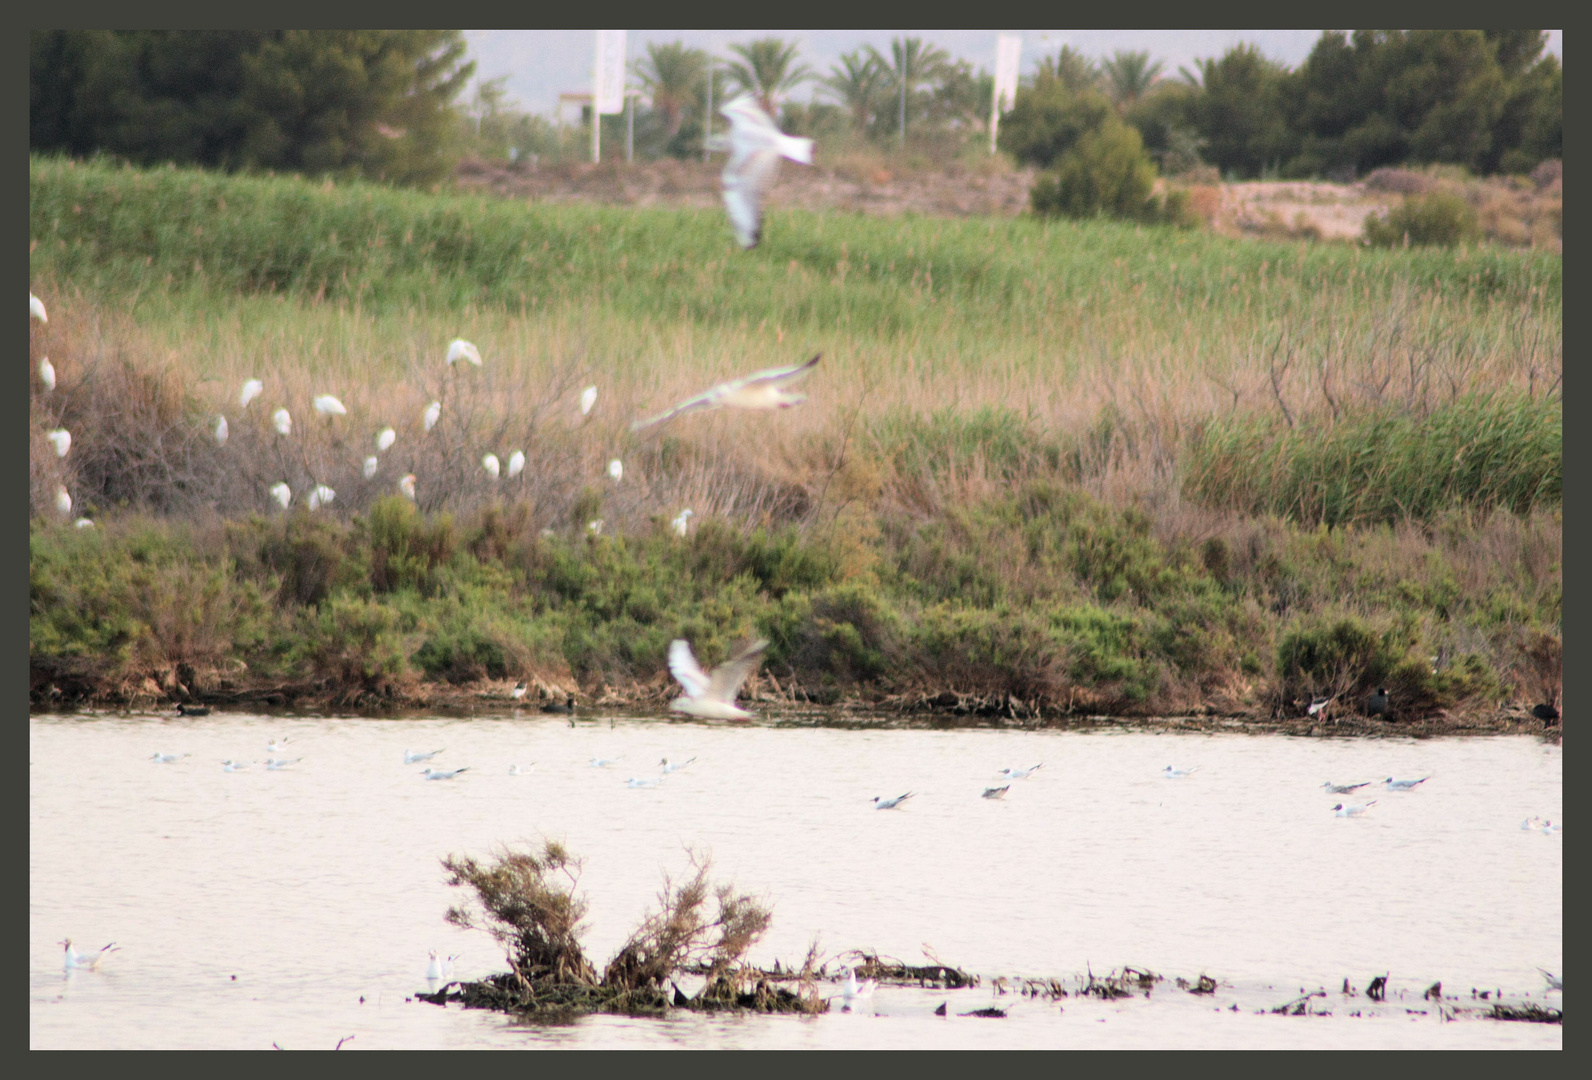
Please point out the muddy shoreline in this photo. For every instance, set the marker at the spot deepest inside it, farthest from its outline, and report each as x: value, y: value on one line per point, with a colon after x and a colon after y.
x: 56, y: 691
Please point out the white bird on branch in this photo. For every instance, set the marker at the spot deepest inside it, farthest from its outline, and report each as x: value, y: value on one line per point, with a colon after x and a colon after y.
x: 682, y: 521
x: 460, y: 349
x: 36, y: 309
x: 761, y: 390
x: 384, y: 439
x: 283, y: 421
x: 516, y: 463
x: 432, y: 414
x: 616, y: 469
x: 755, y: 146
x: 61, y: 439
x: 252, y: 389
x: 321, y: 496
x: 282, y: 493
x: 221, y: 431
x: 63, y: 501
x: 712, y: 696
x: 406, y: 484
x: 588, y: 398
x: 327, y: 405
x: 490, y: 464
x: 371, y: 465
x: 47, y: 373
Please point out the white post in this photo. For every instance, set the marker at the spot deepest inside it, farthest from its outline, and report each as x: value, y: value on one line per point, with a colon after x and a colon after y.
x: 1008, y: 58
x: 707, y: 124
x: 607, y: 83
x: 630, y: 127
x: 596, y: 95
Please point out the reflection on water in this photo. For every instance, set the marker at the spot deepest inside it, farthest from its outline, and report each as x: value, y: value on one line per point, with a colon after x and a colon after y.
x: 260, y: 906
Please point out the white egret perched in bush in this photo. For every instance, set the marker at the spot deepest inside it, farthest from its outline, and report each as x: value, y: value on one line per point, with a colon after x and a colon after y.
x: 755, y: 145
x: 760, y: 390
x: 460, y: 349
x: 407, y: 486
x: 489, y: 462
x: 321, y: 496
x: 63, y: 501
x: 282, y: 494
x: 616, y: 470
x: 516, y: 463
x: 252, y: 389
x: 283, y: 422
x: 47, y: 373
x: 36, y: 308
x: 682, y: 522
x: 588, y: 398
x: 327, y: 405
x: 712, y: 696
x: 83, y: 523
x: 371, y: 465
x: 384, y: 439
x: 221, y: 431
x: 61, y: 439
x: 432, y: 413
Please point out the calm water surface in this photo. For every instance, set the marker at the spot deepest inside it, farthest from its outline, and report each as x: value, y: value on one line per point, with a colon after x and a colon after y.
x: 320, y: 884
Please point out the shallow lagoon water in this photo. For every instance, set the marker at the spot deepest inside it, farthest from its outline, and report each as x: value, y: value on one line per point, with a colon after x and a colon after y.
x: 320, y: 884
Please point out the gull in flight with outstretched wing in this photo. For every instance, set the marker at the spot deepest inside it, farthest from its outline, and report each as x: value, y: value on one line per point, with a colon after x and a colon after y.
x: 712, y: 696
x: 763, y: 390
x: 755, y: 146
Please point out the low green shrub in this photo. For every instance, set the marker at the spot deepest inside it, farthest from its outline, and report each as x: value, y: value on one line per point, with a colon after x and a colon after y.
x: 1435, y: 219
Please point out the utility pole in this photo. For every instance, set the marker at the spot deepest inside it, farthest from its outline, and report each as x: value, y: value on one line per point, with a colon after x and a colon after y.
x: 902, y: 79
x: 707, y: 123
x: 630, y: 127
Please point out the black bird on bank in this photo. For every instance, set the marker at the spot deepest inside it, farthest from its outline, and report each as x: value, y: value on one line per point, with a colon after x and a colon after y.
x: 193, y: 710
x: 565, y: 707
x: 1545, y: 712
x: 1376, y: 704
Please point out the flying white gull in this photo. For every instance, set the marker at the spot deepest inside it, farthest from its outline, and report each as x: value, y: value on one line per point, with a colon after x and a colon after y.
x: 712, y: 696
x: 755, y: 146
x: 1352, y: 809
x: 761, y: 390
x: 460, y: 349
x: 74, y: 959
x: 444, y: 774
x: 411, y: 757
x: 890, y: 804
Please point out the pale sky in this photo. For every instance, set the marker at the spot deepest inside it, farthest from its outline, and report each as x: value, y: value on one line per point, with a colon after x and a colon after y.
x: 541, y: 64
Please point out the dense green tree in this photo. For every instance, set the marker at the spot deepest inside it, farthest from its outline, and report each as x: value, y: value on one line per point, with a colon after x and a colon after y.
x: 376, y: 103
x: 1164, y: 119
x: 1239, y: 112
x: 859, y: 82
x: 768, y: 71
x: 913, y: 64
x: 1069, y: 67
x: 1128, y: 76
x: 675, y: 78
x: 1049, y: 116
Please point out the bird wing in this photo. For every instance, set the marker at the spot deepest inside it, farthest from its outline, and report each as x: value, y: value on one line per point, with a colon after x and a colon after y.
x: 684, y: 667
x: 745, y: 178
x: 728, y: 676
x: 708, y: 399
x: 789, y: 373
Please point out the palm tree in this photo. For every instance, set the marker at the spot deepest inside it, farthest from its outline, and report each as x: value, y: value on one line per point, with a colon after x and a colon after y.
x: 765, y: 71
x: 912, y: 63
x: 1129, y: 76
x: 858, y: 81
x: 1069, y: 67
x: 672, y: 76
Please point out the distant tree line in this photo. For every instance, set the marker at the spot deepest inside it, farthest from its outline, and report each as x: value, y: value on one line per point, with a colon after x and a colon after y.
x: 381, y: 103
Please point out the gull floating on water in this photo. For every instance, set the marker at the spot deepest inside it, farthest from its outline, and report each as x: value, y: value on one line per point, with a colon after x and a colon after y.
x: 755, y: 146
x: 761, y: 390
x: 682, y: 521
x: 72, y: 959
x: 516, y: 463
x: 406, y: 484
x: 432, y: 413
x: 460, y: 349
x: 36, y: 309
x: 489, y: 462
x: 674, y: 766
x: 603, y: 763
x: 252, y: 388
x: 1403, y: 785
x: 283, y: 421
x: 1172, y: 771
x: 278, y: 746
x: 371, y: 465
x: 521, y: 770
x: 880, y: 803
x: 61, y: 439
x: 221, y: 431
x: 282, y: 494
x: 1344, y: 789
x: 1015, y: 773
x: 166, y: 759
x: 384, y: 439
x: 1555, y: 982
x: 851, y: 989
x: 712, y: 696
x: 327, y: 405
x: 636, y: 781
x: 444, y: 774
x: 413, y: 757
x: 1352, y: 809
x: 234, y: 766
x: 997, y: 792
x: 47, y: 373
x: 275, y: 764
x: 433, y: 965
